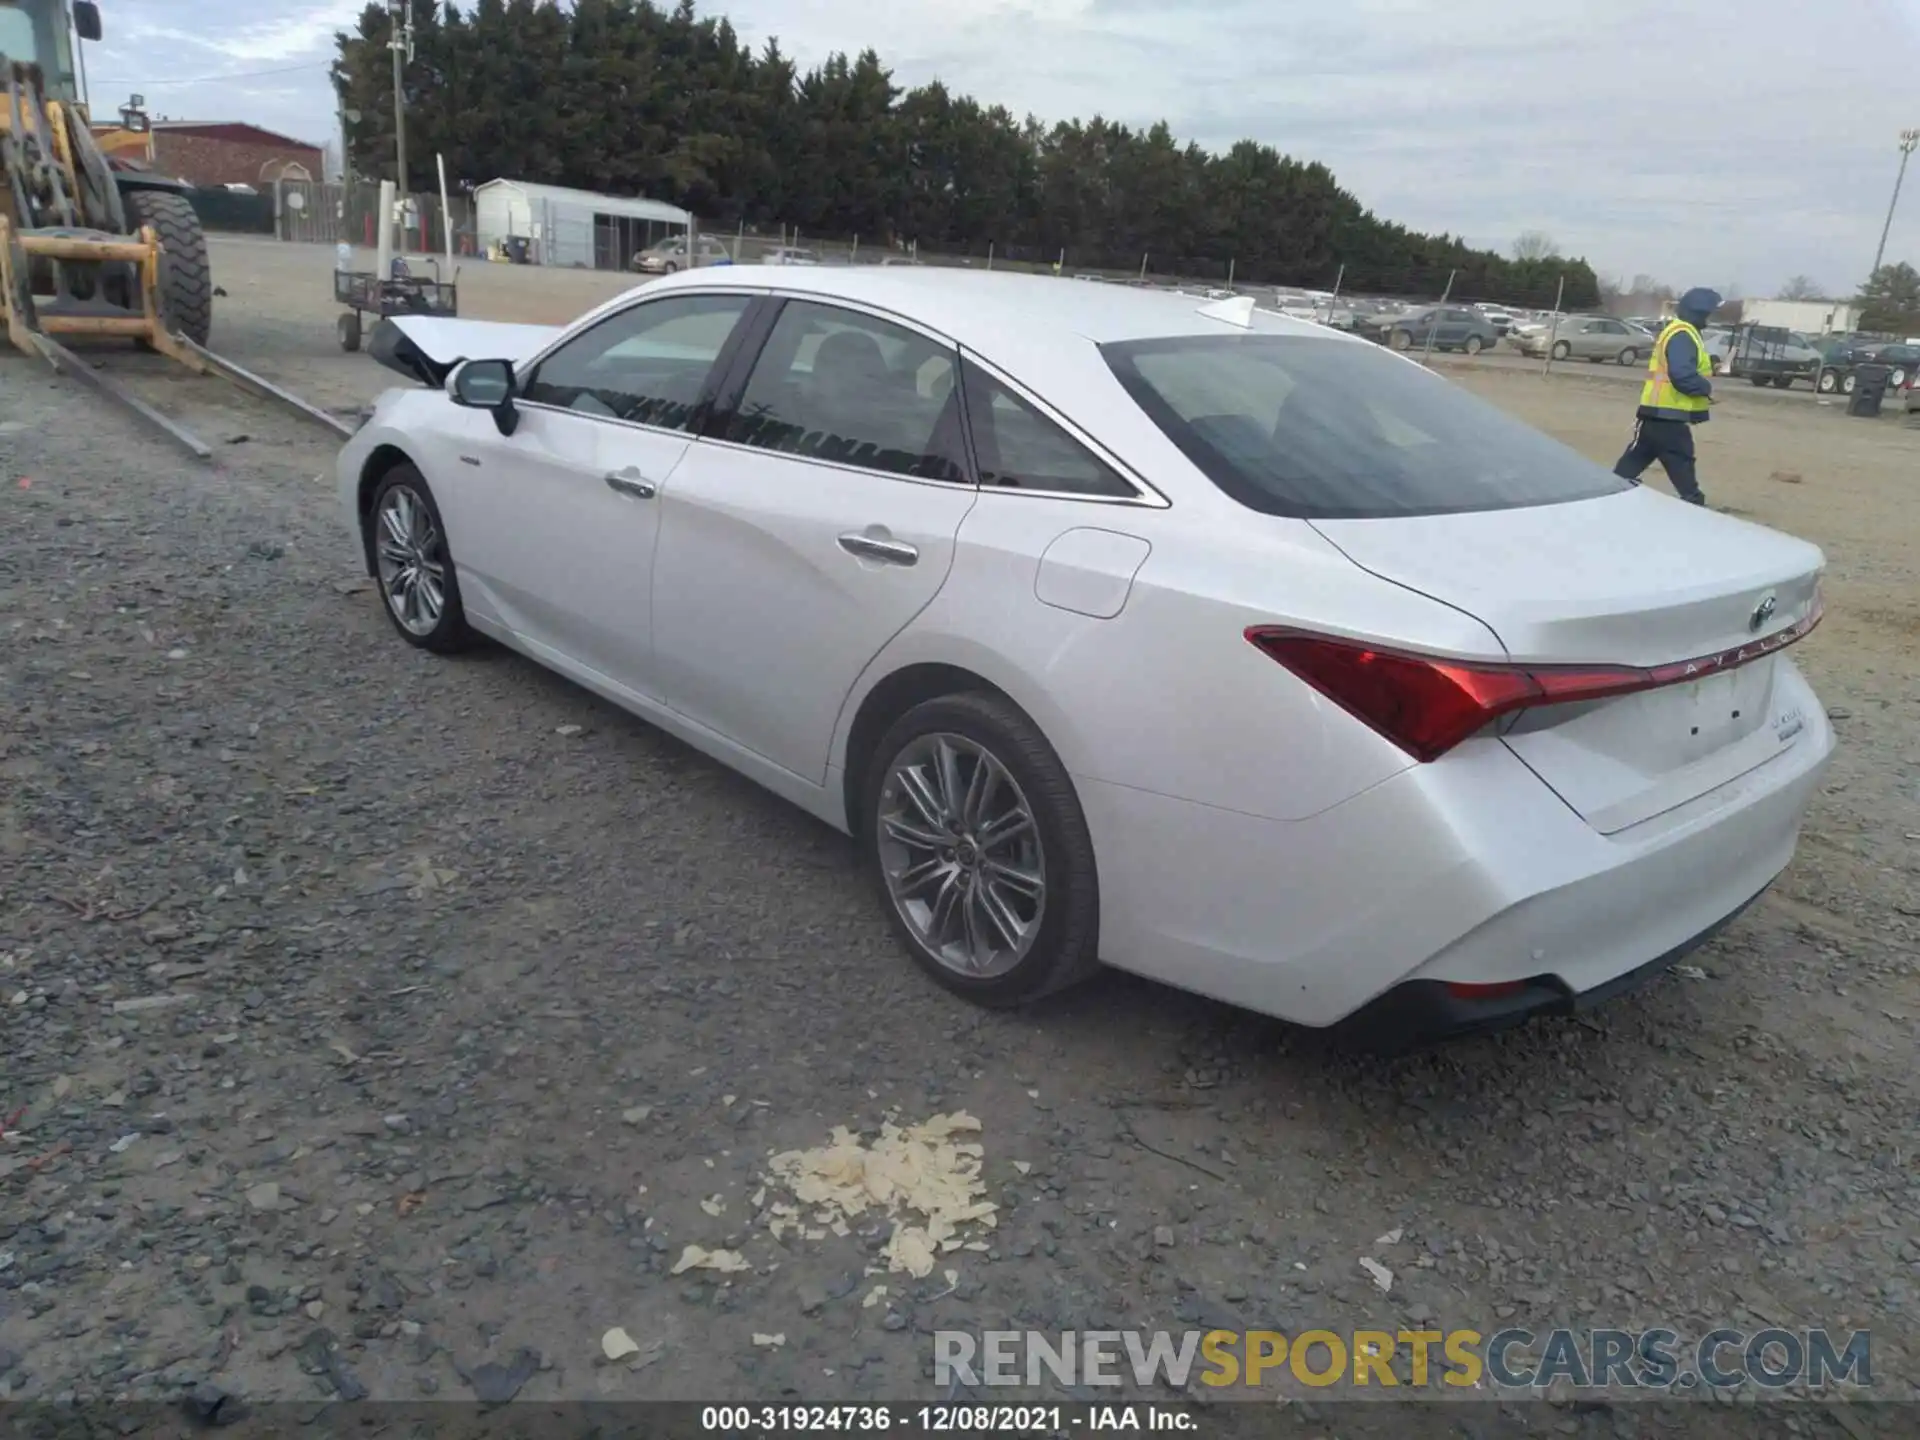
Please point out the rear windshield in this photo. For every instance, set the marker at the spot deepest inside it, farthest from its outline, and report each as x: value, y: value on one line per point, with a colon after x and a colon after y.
x: 1333, y: 429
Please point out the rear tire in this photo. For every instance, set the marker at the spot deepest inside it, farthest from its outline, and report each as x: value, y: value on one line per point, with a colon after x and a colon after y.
x: 186, y: 274
x: 1846, y: 385
x: 1826, y: 383
x: 1897, y: 380
x: 1473, y: 345
x: 349, y: 328
x: 921, y: 786
x: 1629, y: 356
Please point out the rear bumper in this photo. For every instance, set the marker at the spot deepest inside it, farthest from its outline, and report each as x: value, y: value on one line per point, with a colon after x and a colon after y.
x: 1469, y: 872
x: 1423, y: 1013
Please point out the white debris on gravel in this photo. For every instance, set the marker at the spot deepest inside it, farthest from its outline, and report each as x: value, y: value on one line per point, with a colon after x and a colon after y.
x: 696, y: 1257
x: 1392, y: 1237
x: 616, y: 1344
x: 1382, y: 1276
x: 919, y: 1168
x: 769, y: 1342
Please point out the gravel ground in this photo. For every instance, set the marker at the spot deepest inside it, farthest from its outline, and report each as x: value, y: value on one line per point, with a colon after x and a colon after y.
x: 383, y: 1025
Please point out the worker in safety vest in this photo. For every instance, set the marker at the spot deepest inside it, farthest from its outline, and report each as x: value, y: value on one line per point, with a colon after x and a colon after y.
x: 1675, y: 398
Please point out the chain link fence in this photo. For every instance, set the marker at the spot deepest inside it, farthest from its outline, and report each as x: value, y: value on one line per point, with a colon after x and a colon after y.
x: 566, y: 236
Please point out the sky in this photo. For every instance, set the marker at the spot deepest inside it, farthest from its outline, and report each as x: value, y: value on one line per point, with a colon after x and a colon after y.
x: 1720, y: 142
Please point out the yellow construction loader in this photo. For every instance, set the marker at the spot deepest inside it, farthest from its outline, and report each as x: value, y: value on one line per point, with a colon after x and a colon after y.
x: 93, y: 246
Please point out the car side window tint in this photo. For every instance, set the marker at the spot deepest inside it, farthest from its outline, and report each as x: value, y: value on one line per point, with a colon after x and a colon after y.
x: 647, y: 364
x: 1018, y: 448
x: 840, y: 386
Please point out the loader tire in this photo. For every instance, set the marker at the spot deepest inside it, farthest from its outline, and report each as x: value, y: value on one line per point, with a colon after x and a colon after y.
x: 186, y: 275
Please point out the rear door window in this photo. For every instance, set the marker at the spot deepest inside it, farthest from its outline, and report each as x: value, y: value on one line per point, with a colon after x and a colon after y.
x: 1325, y: 428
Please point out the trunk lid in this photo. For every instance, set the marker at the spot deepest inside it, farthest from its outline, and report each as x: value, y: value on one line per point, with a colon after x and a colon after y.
x: 1626, y: 579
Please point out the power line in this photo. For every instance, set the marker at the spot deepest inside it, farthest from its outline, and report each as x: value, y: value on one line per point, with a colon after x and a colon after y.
x: 235, y: 75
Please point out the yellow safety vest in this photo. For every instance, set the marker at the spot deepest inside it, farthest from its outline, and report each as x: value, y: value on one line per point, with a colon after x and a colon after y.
x: 1658, y: 394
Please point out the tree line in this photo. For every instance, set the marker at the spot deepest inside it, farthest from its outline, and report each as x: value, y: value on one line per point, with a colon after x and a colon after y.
x: 625, y: 98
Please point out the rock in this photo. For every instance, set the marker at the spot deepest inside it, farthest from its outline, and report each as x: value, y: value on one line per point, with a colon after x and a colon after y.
x: 495, y: 1384
x: 1163, y: 1236
x: 208, y: 1404
x: 146, y: 1004
x: 266, y: 1196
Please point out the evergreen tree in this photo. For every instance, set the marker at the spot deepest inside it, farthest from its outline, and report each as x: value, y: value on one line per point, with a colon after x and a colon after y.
x: 625, y: 97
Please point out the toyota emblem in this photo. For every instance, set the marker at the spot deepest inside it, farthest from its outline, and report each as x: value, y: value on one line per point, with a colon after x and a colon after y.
x: 1762, y: 612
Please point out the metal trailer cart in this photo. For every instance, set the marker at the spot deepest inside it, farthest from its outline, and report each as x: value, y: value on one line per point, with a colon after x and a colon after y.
x: 1765, y: 355
x: 402, y: 293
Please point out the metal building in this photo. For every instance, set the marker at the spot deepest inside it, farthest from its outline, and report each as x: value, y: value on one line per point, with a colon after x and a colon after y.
x: 576, y: 229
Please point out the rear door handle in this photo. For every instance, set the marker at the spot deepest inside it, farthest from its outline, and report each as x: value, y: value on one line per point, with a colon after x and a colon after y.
x: 631, y: 482
x: 887, y: 552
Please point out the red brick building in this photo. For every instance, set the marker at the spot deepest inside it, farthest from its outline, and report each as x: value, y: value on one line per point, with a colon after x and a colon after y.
x: 218, y: 152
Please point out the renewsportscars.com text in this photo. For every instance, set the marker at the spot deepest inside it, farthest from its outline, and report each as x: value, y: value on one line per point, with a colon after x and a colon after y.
x: 1510, y: 1359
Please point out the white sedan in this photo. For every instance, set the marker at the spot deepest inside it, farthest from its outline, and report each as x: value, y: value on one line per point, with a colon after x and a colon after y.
x: 1125, y: 627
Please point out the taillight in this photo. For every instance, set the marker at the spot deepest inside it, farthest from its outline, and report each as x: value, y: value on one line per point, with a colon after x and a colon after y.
x: 1429, y: 704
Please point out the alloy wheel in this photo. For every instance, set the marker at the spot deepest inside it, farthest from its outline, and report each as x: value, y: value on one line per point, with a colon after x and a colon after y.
x: 412, y: 557
x: 960, y: 849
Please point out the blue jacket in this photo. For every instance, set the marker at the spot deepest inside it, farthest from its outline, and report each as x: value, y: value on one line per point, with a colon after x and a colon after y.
x: 1686, y: 365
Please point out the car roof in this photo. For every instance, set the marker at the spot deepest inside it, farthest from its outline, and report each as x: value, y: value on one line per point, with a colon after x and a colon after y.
x: 979, y: 308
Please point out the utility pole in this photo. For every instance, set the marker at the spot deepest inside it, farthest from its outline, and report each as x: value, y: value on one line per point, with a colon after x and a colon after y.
x: 401, y: 44
x: 1909, y: 142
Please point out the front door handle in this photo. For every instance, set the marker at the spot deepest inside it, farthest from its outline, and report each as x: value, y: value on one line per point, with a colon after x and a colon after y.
x: 631, y: 482
x: 887, y: 552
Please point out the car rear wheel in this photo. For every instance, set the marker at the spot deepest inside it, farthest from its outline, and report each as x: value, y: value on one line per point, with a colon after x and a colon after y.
x: 1629, y: 356
x: 1474, y: 345
x: 981, y: 851
x: 1825, y: 384
x: 419, y: 587
x: 1846, y: 385
x: 1897, y: 379
x: 1562, y: 350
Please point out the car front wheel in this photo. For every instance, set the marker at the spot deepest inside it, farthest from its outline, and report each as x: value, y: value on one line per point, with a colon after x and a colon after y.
x: 981, y: 851
x: 418, y: 583
x: 1562, y: 350
x: 1826, y: 382
x: 1897, y: 380
x: 1846, y: 385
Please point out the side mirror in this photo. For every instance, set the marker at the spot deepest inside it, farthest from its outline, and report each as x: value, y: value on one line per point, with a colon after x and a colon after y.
x: 86, y: 19
x: 488, y: 385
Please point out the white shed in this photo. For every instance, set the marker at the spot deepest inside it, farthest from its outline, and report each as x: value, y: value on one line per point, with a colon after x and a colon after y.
x: 573, y: 228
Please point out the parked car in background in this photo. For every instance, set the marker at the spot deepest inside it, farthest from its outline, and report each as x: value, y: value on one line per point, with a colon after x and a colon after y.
x: 790, y: 255
x: 1595, y: 338
x: 1836, y: 372
x: 779, y: 516
x: 1444, y: 327
x: 671, y: 255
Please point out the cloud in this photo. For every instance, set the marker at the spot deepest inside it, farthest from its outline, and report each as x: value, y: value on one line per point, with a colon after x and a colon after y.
x: 1701, y: 140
